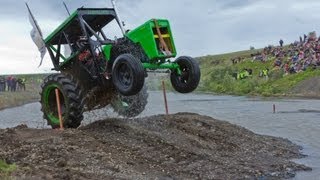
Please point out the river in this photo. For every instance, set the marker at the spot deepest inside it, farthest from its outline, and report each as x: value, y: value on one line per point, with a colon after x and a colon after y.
x: 295, y: 119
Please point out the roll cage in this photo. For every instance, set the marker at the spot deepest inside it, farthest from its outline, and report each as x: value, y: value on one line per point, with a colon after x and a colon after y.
x: 82, y: 30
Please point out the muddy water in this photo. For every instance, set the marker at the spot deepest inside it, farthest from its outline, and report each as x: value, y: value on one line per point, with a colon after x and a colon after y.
x: 295, y: 119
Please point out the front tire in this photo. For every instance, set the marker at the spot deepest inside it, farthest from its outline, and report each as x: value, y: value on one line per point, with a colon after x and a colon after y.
x: 190, y: 75
x: 70, y: 101
x: 128, y: 75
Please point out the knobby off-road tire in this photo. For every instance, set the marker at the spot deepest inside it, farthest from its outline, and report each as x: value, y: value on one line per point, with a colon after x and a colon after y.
x: 71, y: 101
x: 126, y: 46
x: 131, y: 106
x: 190, y: 77
x: 128, y: 74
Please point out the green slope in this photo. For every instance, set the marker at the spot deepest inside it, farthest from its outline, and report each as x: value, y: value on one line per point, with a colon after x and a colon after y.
x: 217, y: 77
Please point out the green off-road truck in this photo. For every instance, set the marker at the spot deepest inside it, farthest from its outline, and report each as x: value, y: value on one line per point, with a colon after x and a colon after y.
x: 101, y: 70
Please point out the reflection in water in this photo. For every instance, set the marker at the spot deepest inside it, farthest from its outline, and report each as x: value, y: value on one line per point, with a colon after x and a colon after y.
x: 296, y: 119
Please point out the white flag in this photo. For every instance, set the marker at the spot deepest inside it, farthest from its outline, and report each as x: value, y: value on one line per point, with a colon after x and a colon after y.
x: 37, y: 38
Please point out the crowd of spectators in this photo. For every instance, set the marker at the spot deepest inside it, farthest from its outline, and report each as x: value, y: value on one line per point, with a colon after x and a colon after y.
x: 12, y: 84
x: 294, y: 58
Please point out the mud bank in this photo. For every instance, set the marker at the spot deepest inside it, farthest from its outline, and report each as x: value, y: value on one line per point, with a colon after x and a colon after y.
x: 179, y: 146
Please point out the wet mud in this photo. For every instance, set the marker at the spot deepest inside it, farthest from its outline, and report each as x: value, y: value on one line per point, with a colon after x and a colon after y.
x: 178, y: 146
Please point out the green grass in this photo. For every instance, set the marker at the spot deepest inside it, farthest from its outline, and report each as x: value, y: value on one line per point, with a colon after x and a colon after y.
x: 217, y: 70
x: 6, y: 169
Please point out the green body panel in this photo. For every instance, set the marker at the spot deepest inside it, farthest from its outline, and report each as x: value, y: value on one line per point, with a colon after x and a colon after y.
x: 146, y: 36
x: 160, y: 66
x: 171, y: 66
x: 65, y: 23
x: 107, y: 51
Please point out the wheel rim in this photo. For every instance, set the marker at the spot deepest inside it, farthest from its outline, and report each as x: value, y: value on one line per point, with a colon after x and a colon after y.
x: 50, y: 104
x: 124, y: 75
x: 185, y: 74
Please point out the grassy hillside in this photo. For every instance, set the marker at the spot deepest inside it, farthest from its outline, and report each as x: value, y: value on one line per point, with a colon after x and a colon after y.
x: 217, y: 77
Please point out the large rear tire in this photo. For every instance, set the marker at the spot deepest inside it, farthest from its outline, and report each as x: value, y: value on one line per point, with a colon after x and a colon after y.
x: 70, y: 101
x: 128, y: 75
x: 190, y: 75
x: 131, y: 106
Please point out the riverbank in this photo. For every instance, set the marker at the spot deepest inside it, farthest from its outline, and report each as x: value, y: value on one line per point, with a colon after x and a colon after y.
x: 10, y: 99
x: 13, y: 99
x: 179, y: 146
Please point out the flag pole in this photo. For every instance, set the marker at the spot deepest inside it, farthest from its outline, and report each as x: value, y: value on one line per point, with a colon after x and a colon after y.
x: 66, y: 8
x: 36, y: 33
x: 34, y: 20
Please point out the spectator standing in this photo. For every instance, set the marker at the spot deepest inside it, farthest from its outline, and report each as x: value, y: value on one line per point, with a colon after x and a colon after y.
x: 2, y: 83
x: 304, y: 37
x: 13, y: 84
x: 281, y: 43
x: 286, y: 68
x: 9, y: 78
x: 266, y: 73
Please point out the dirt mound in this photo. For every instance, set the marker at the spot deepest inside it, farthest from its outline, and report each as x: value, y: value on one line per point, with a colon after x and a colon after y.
x: 308, y: 88
x: 180, y: 146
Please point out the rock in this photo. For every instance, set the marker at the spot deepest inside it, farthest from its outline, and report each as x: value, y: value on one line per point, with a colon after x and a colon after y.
x: 61, y: 163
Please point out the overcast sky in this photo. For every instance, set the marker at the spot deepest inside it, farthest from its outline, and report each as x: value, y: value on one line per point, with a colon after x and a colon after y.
x: 202, y: 27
